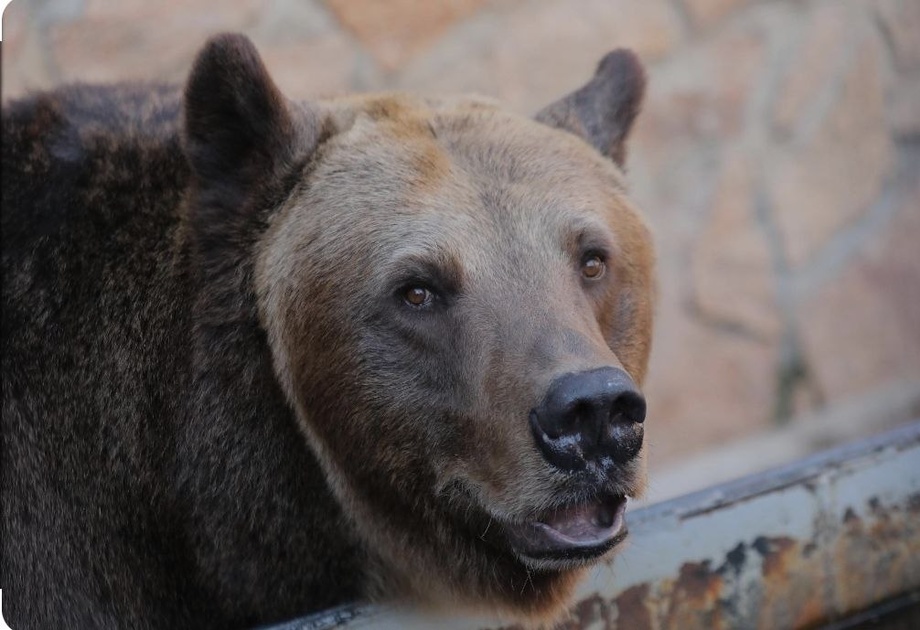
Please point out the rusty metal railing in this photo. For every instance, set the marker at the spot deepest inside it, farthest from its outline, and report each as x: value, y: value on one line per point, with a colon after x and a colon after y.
x: 830, y: 540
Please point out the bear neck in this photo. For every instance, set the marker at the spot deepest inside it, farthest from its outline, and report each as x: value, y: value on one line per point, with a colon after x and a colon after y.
x: 259, y: 506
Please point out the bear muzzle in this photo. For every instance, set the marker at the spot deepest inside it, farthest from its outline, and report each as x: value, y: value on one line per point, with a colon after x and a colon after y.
x: 589, y: 428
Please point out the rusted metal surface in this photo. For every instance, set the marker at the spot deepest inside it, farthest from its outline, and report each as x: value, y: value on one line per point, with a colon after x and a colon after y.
x: 803, y: 546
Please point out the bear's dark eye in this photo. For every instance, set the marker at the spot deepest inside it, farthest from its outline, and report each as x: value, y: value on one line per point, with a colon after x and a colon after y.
x: 418, y: 296
x: 593, y: 267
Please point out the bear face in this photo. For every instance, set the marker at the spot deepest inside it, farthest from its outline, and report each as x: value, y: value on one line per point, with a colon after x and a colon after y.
x: 458, y: 303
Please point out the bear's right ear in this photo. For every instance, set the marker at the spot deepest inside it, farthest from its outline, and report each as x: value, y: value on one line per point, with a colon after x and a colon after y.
x: 238, y: 127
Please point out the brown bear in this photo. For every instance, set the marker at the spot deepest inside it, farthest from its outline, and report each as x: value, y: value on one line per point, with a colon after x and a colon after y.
x: 263, y: 357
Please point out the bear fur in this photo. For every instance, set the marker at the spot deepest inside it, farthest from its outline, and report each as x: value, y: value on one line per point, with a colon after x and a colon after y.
x: 219, y: 408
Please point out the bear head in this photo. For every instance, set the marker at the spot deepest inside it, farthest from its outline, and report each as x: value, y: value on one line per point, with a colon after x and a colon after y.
x: 458, y: 303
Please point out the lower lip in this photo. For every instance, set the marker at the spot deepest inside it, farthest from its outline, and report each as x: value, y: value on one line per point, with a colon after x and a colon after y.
x: 611, y: 531
x: 539, y: 541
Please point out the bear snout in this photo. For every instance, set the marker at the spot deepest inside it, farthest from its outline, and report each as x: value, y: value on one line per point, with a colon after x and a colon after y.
x: 594, y: 416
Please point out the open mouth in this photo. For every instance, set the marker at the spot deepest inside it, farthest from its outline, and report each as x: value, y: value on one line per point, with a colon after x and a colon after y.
x: 582, y: 531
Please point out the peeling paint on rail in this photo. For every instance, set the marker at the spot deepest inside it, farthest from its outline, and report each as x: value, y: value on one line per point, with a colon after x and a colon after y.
x: 801, y: 546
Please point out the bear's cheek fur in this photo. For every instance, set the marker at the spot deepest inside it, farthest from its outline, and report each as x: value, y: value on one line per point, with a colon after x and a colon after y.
x: 627, y: 319
x: 413, y: 421
x: 368, y: 404
x: 417, y: 417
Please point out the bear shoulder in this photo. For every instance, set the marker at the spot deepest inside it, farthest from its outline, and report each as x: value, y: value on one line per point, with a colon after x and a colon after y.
x: 67, y: 149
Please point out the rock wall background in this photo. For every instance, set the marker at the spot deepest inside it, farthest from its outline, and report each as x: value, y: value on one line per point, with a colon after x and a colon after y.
x: 778, y: 159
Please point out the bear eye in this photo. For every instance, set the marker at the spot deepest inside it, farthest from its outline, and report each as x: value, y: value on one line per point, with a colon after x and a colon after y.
x: 418, y: 296
x: 593, y: 267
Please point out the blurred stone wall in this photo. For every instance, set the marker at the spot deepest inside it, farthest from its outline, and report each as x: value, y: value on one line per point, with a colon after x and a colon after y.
x: 777, y: 158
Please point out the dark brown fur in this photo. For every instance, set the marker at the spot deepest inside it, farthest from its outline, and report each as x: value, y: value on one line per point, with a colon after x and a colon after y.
x: 216, y: 410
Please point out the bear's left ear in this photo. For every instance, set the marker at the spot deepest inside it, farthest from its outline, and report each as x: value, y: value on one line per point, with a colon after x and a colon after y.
x: 238, y: 127
x: 602, y: 111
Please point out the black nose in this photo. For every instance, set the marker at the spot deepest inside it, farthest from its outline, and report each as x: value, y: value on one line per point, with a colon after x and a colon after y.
x: 589, y: 416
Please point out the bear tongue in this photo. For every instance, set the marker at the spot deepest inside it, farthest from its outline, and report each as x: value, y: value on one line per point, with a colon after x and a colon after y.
x: 585, y: 522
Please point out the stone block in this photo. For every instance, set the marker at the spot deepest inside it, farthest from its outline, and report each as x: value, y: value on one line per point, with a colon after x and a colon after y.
x: 26, y: 63
x: 318, y: 67
x: 827, y: 178
x: 699, y: 99
x: 288, y: 22
x: 23, y: 55
x: 814, y: 63
x: 694, y: 115
x: 900, y: 21
x: 861, y: 330
x: 904, y: 106
x: 706, y: 386
x: 143, y: 40
x: 397, y: 30
x: 706, y: 13
x: 528, y: 54
x: 732, y: 267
